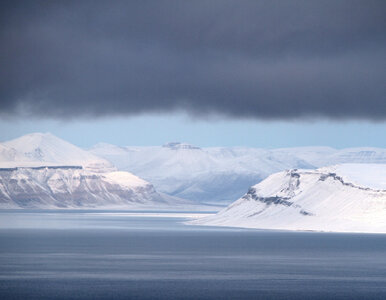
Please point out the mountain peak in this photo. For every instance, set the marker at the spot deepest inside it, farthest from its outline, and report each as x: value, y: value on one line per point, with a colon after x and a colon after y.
x: 40, y: 134
x: 33, y: 140
x: 47, y: 149
x: 38, y: 141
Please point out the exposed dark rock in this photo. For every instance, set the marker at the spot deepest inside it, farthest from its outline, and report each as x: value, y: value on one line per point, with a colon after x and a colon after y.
x: 267, y: 200
x: 334, y: 176
x: 305, y: 213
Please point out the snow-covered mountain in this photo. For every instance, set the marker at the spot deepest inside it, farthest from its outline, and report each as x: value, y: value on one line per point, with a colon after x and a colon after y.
x: 38, y: 149
x: 72, y: 187
x: 42, y: 171
x: 201, y: 174
x: 326, y: 156
x: 35, y: 161
x: 342, y: 198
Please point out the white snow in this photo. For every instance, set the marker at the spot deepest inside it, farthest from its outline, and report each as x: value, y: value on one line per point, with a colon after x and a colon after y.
x: 326, y: 156
x: 9, y: 157
x: 220, y: 174
x: 39, y: 170
x: 179, y: 169
x: 202, y: 174
x: 124, y: 179
x: 45, y: 149
x: 66, y: 187
x: 366, y: 175
x: 322, y: 200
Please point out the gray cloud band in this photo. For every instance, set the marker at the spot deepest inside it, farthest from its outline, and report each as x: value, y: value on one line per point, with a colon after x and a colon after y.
x: 249, y: 59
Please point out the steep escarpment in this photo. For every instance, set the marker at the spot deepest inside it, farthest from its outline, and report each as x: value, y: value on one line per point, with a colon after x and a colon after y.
x: 40, y: 170
x: 73, y: 187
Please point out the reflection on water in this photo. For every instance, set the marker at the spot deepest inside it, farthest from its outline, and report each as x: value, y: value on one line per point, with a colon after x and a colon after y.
x: 103, y: 255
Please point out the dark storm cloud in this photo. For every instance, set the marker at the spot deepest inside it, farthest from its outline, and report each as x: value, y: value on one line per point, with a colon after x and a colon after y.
x: 243, y: 59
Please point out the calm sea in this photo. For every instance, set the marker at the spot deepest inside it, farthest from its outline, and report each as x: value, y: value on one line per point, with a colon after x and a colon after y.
x: 125, y: 255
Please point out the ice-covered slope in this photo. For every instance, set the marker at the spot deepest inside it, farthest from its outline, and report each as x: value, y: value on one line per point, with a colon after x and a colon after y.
x: 38, y: 149
x: 202, y: 174
x: 342, y: 198
x: 10, y: 157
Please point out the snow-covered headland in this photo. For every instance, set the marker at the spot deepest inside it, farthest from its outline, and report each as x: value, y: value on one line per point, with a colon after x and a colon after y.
x: 341, y: 198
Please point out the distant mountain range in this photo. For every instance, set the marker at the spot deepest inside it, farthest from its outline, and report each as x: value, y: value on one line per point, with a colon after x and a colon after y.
x: 222, y: 174
x: 41, y: 170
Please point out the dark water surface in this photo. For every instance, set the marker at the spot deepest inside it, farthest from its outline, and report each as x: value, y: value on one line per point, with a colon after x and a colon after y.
x: 104, y: 255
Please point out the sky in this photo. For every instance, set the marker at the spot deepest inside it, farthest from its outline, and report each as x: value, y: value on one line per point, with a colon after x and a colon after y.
x: 154, y: 130
x: 211, y: 73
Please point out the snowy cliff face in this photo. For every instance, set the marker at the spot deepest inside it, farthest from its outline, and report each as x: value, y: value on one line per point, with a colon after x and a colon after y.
x: 73, y: 187
x: 42, y: 171
x: 341, y: 198
x: 201, y: 174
